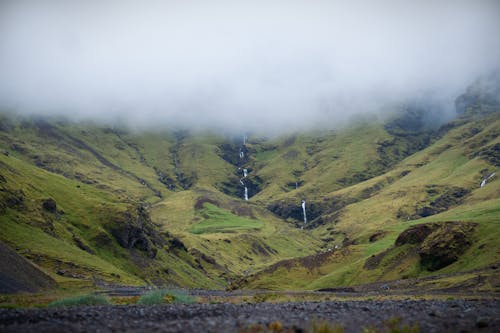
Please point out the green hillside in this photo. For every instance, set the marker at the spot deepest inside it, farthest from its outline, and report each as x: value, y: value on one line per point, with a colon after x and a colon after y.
x: 438, y: 184
x: 387, y: 198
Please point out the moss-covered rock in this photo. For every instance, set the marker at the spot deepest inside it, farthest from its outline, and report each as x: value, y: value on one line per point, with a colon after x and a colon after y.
x: 415, y: 234
x: 445, y: 245
x: 134, y: 229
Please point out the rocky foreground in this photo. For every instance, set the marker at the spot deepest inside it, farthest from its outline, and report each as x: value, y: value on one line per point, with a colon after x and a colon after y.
x: 431, y: 316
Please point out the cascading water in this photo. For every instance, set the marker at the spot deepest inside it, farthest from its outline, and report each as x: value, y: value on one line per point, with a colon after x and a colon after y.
x: 245, y: 171
x: 485, y: 180
x: 304, y: 211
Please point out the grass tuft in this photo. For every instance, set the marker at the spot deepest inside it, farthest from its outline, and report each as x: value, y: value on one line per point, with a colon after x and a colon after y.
x: 80, y: 300
x: 394, y: 325
x: 326, y: 327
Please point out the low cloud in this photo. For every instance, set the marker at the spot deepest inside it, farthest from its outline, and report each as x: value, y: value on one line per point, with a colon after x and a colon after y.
x: 242, y: 65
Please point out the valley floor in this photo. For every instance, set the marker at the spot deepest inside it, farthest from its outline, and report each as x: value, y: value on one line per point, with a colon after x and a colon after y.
x: 353, y: 316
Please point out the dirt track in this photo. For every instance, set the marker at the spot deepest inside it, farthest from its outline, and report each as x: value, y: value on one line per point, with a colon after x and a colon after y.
x: 432, y: 316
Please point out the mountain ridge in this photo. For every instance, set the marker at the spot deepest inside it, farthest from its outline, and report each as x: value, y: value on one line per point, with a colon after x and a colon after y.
x: 94, y: 205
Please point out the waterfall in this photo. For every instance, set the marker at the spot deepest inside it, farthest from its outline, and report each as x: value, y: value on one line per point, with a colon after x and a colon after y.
x: 245, y: 171
x: 485, y: 180
x: 304, y: 210
x: 296, y: 185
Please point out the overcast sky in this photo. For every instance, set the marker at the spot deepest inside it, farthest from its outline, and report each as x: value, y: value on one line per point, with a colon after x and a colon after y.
x: 240, y: 64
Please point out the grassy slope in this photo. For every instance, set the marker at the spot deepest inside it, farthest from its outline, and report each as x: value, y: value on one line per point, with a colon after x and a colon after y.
x: 256, y: 239
x: 318, y: 160
x: 91, y: 193
x: 86, y: 212
x: 22, y: 228
x: 448, y: 162
x: 94, y: 173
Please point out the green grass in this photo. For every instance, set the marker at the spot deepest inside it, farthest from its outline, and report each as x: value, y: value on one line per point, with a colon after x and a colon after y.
x: 216, y: 220
x: 86, y: 210
x: 445, y: 163
x: 80, y: 301
x: 241, y: 237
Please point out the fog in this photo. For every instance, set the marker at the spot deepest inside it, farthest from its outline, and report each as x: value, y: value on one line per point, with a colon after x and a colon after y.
x: 241, y: 65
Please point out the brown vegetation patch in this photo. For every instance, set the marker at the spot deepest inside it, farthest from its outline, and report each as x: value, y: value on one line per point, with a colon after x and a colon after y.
x: 235, y: 207
x: 377, y: 236
x: 309, y: 262
x: 375, y: 260
x: 241, y: 210
x: 262, y: 249
x: 415, y: 234
x: 491, y: 154
x: 200, y: 201
x: 82, y: 245
x: 440, y: 244
x: 446, y: 197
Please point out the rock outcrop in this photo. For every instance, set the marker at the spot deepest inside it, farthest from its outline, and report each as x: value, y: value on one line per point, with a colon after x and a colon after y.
x: 439, y: 244
x: 445, y: 245
x: 17, y: 274
x: 134, y: 230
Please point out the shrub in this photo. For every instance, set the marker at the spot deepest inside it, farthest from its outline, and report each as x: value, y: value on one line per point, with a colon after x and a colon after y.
x: 325, y: 327
x: 394, y: 325
x: 165, y: 296
x: 275, y: 327
x: 264, y: 297
x: 81, y: 300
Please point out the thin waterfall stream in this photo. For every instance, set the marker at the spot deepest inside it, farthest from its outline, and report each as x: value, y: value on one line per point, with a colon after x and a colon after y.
x: 304, y: 211
x: 245, y: 171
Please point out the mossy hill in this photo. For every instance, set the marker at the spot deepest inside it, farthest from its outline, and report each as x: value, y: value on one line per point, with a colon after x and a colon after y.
x: 386, y: 198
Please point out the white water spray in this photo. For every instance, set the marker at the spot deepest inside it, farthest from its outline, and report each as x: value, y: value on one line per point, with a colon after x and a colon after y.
x: 245, y: 173
x: 246, y: 193
x: 304, y: 210
x: 485, y: 180
x: 241, y: 182
x: 242, y: 154
x: 245, y: 139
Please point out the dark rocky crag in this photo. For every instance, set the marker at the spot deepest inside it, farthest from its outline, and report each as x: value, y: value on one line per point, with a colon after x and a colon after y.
x: 17, y: 274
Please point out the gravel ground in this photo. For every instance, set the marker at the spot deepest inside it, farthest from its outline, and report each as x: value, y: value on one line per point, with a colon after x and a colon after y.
x: 432, y: 316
